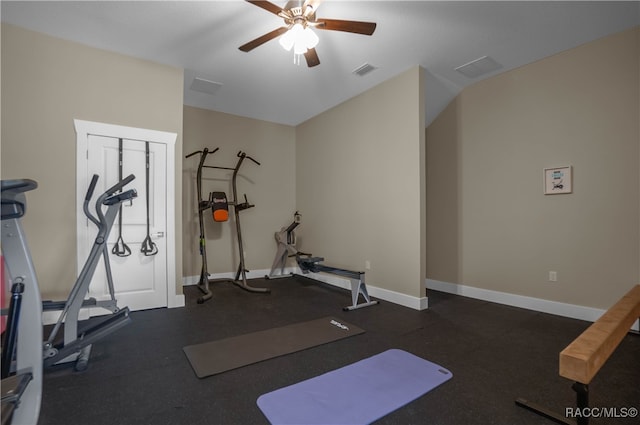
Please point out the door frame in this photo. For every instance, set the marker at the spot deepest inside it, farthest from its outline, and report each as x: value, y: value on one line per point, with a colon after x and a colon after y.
x: 86, y: 128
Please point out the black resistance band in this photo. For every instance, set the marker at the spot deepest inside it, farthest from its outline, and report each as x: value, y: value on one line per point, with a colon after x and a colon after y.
x: 148, y: 248
x: 120, y: 248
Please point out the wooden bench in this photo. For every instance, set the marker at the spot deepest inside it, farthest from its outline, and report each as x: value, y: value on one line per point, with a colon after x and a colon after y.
x: 581, y: 360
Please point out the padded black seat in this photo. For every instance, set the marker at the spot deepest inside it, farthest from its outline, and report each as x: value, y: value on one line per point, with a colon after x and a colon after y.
x: 13, y: 200
x: 18, y: 186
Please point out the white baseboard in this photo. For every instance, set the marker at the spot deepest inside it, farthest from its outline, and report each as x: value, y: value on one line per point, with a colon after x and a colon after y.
x: 573, y: 311
x: 380, y: 293
x: 253, y: 274
x: 176, y: 301
x: 51, y: 317
x: 341, y: 282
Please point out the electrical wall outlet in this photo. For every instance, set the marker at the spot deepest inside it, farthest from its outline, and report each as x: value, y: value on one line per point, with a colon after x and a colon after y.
x: 553, y: 276
x: 367, y: 265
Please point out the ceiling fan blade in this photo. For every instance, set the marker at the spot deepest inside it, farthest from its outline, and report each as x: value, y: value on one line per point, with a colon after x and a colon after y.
x: 263, y: 39
x: 267, y: 5
x: 312, y: 58
x: 358, y: 27
x: 310, y: 7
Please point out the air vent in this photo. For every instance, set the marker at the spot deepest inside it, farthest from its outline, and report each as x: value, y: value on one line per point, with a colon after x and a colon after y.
x: 364, y: 69
x: 205, y: 86
x: 478, y: 67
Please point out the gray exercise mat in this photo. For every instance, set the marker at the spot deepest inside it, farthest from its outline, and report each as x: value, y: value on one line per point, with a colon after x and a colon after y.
x: 219, y: 356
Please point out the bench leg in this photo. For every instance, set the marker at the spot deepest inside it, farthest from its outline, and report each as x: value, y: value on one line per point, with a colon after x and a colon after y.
x: 582, y: 400
x: 543, y: 411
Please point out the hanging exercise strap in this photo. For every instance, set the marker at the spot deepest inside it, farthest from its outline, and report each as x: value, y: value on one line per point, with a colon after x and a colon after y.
x: 120, y: 248
x: 148, y: 248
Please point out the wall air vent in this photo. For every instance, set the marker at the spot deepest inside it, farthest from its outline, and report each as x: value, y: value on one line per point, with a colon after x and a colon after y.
x: 205, y: 86
x: 364, y: 69
x: 478, y: 67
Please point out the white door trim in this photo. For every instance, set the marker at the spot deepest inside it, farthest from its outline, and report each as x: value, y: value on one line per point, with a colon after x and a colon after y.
x: 86, y: 128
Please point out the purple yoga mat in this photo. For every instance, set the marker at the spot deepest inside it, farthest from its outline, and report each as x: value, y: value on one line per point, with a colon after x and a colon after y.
x: 359, y: 393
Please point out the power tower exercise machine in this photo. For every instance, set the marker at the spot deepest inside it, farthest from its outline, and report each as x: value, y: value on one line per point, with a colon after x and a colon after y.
x: 219, y: 205
x: 306, y: 263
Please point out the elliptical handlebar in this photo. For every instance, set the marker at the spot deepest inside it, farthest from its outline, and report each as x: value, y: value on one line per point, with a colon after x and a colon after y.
x: 87, y: 198
x: 116, y: 187
x: 109, y: 197
x: 92, y: 187
x: 120, y: 197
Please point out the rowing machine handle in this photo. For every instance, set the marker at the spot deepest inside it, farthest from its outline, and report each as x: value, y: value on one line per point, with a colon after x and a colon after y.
x: 116, y: 187
x: 92, y: 186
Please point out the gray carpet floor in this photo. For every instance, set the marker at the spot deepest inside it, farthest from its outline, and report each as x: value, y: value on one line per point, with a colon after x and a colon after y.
x: 140, y: 375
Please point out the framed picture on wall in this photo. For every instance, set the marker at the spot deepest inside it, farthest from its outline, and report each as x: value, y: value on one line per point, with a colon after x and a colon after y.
x: 558, y: 180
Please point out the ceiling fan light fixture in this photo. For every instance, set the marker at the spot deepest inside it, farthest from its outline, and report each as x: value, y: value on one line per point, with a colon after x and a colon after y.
x: 299, y: 49
x: 287, y: 42
x: 299, y: 16
x: 299, y: 38
x: 310, y: 38
x: 288, y: 39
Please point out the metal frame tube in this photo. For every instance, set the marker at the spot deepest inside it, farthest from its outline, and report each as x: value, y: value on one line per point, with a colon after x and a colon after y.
x: 29, y: 344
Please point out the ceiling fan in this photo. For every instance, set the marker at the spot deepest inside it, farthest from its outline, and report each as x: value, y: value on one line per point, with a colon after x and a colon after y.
x: 299, y: 17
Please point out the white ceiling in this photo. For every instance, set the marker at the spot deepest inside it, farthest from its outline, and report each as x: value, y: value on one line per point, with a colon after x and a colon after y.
x: 203, y: 37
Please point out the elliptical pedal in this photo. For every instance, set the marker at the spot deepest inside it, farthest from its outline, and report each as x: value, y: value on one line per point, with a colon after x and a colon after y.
x: 98, y: 329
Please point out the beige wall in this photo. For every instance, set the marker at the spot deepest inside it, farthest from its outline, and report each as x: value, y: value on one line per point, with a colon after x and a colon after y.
x: 489, y: 224
x: 270, y: 187
x: 357, y: 171
x: 360, y: 168
x: 46, y: 84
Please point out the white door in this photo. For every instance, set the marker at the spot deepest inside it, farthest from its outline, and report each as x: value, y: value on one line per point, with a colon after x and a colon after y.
x: 140, y: 281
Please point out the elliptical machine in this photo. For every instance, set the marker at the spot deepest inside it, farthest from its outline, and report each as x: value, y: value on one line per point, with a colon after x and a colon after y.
x: 219, y: 205
x: 76, y: 344
x: 22, y: 354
